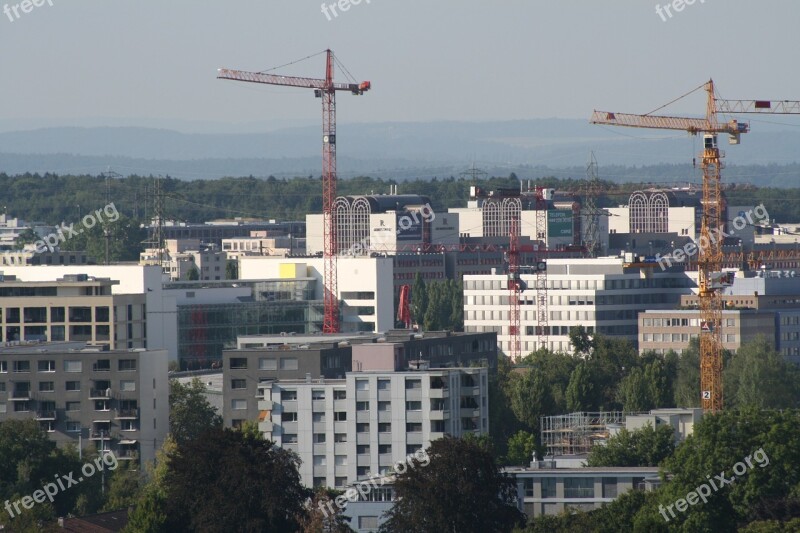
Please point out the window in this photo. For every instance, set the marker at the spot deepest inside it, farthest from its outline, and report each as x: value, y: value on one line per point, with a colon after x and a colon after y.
x: 22, y: 407
x: 317, y: 394
x: 362, y: 427
x: 22, y: 366
x: 319, y: 438
x: 384, y: 448
x: 288, y: 363
x: 288, y: 395
x: 238, y: 363
x: 126, y: 365
x: 102, y: 405
x: 385, y: 427
x: 46, y: 366
x: 290, y: 438
x: 384, y: 384
x: 362, y: 384
x: 127, y: 385
x: 548, y: 487
x: 101, y: 314
x: 2, y: 386
x: 362, y: 471
x: 318, y: 417
x: 413, y: 384
x: 3, y: 408
x: 579, y: 487
x: 73, y: 426
x: 289, y: 417
x: 238, y: 384
x: 340, y: 460
x: 47, y: 386
x: 238, y: 405
x: 362, y: 406
x: 73, y: 386
x: 413, y: 406
x: 413, y: 427
x: 319, y: 482
x: 73, y: 406
x: 127, y: 425
x: 73, y: 366
x: 362, y: 449
x: 340, y: 416
x: 384, y: 406
x: 609, y: 487
x: 339, y: 395
x: 340, y: 437
x: 57, y: 314
x: 267, y: 364
x: 3, y: 367
x: 320, y: 460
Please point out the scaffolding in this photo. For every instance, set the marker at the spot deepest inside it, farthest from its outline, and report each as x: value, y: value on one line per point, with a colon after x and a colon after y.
x: 576, y: 433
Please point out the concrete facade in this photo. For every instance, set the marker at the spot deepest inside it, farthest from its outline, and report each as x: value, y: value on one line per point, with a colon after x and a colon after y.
x: 117, y: 400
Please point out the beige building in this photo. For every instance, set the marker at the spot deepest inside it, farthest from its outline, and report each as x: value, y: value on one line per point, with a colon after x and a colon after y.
x: 661, y: 331
x: 181, y: 256
x: 75, y: 307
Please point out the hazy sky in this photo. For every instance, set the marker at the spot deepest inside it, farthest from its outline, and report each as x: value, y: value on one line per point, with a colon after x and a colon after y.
x: 154, y: 62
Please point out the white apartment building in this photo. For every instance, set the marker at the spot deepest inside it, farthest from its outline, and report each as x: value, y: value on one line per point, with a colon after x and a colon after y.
x: 348, y: 429
x: 365, y: 285
x: 603, y: 294
x: 181, y: 256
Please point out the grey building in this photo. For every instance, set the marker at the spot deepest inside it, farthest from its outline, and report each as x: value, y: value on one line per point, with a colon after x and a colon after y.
x: 114, y: 400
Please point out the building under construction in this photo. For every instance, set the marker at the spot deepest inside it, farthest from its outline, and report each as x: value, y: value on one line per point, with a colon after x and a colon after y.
x: 576, y: 433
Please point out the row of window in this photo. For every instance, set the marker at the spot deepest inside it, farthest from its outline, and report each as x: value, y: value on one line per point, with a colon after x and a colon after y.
x: 101, y: 365
x: 57, y: 314
x: 125, y: 385
x: 680, y: 322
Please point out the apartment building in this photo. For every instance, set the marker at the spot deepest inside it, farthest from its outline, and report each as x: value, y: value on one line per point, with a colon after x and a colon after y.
x: 115, y: 400
x: 604, y: 295
x: 75, y: 307
x: 276, y: 357
x: 348, y: 429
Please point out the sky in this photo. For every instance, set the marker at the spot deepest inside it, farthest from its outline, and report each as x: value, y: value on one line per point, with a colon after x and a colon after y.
x: 153, y: 63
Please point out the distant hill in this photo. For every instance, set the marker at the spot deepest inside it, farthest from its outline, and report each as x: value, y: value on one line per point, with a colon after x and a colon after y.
x: 399, y: 151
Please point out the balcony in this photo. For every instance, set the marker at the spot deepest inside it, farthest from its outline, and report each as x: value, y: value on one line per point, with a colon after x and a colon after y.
x: 100, y: 435
x: 440, y: 393
x: 127, y: 455
x: 100, y: 394
x: 265, y: 405
x: 45, y: 415
x: 265, y: 427
x: 440, y: 415
x: 20, y: 396
x: 127, y: 413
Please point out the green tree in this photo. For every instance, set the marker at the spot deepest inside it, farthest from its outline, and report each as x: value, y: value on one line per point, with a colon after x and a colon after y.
x: 520, y: 448
x: 686, y: 385
x: 531, y: 398
x: 123, y: 487
x: 193, y: 274
x: 216, y: 466
x: 581, y: 341
x: 635, y: 392
x: 754, y: 365
x: 315, y: 520
x: 647, y: 446
x: 504, y: 423
x: 461, y: 489
x: 580, y: 391
x: 232, y: 269
x: 190, y: 414
x: 150, y: 512
x: 419, y: 299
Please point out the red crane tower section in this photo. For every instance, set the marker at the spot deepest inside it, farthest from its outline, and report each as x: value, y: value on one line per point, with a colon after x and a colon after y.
x: 325, y: 89
x: 514, y: 290
x: 404, y: 308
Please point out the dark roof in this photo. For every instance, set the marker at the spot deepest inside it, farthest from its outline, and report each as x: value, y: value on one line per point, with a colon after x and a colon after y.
x: 97, y: 523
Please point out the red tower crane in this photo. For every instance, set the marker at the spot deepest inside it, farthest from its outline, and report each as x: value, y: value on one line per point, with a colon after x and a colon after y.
x: 325, y: 89
x: 514, y: 289
x: 404, y: 308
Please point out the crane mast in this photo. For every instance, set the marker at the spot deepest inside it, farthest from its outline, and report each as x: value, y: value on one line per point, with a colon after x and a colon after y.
x: 710, y: 260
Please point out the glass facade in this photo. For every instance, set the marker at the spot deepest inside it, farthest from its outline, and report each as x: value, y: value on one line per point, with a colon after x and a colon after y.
x: 277, y: 306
